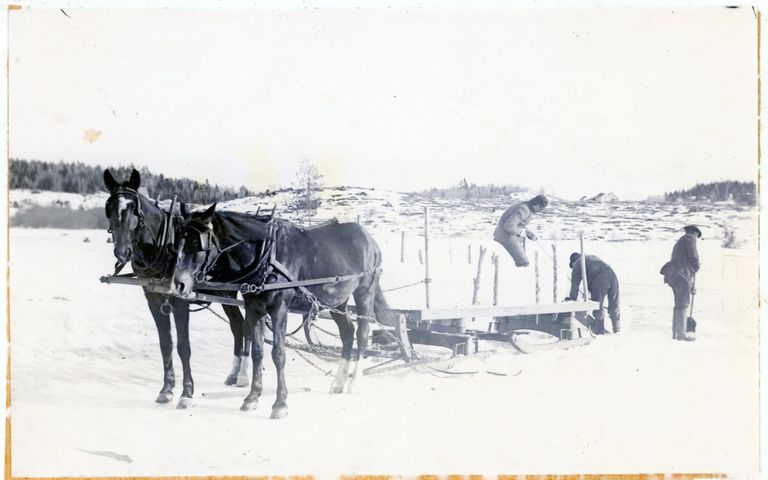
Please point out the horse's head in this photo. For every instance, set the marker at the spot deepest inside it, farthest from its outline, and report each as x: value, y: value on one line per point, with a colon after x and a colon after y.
x: 123, y: 211
x: 197, y: 248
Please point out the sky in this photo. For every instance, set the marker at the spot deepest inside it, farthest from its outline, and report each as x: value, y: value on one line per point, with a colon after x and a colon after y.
x: 637, y: 101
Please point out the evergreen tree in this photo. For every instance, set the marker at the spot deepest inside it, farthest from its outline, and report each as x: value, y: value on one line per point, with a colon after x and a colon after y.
x: 743, y: 193
x: 84, y: 179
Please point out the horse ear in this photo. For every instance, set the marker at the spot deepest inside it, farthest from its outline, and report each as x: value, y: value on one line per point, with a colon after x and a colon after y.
x: 109, y: 180
x: 184, y: 211
x: 208, y: 214
x: 135, y: 180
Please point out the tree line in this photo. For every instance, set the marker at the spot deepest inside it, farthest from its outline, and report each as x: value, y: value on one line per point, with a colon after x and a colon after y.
x: 743, y: 193
x: 85, y: 179
x: 471, y: 191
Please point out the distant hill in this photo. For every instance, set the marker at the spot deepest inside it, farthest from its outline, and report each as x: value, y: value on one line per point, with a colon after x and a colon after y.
x: 86, y: 179
x: 601, y: 197
x: 470, y: 191
x: 385, y: 212
x: 742, y: 193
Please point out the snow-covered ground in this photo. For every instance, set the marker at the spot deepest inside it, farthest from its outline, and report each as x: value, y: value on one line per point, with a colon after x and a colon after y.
x: 25, y: 198
x: 86, y: 364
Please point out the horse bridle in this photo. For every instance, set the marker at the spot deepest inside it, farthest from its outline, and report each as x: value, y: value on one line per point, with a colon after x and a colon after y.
x: 207, y: 238
x: 133, y: 195
x: 159, y: 244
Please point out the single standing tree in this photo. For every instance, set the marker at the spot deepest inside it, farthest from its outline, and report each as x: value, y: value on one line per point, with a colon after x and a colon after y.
x: 307, y: 188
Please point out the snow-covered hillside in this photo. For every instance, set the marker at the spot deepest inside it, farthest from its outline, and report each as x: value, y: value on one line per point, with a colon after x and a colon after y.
x: 388, y: 211
x: 24, y: 198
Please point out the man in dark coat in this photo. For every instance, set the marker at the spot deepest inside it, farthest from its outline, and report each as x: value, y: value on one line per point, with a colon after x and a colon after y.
x: 678, y: 274
x: 602, y: 283
x: 512, y: 226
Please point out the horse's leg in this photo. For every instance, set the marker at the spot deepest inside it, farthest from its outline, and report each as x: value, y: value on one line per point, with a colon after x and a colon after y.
x: 347, y: 333
x: 163, y: 324
x: 255, y: 321
x: 279, y: 316
x: 243, y: 378
x: 181, y: 318
x: 239, y: 373
x: 364, y: 302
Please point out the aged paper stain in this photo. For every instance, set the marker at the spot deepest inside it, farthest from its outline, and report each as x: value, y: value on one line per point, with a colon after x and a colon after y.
x: 106, y: 453
x: 90, y: 135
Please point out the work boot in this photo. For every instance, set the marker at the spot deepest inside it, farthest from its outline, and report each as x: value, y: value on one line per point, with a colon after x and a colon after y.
x: 679, y: 326
x: 685, y: 337
x: 598, y: 325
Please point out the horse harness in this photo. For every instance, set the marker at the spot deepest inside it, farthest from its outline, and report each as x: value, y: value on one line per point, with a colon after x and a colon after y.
x: 256, y: 281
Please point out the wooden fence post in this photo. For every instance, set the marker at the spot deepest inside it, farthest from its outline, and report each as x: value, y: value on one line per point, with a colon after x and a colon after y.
x: 402, y: 246
x: 426, y: 253
x: 476, y: 291
x: 469, y: 254
x: 536, y: 274
x: 495, y: 260
x: 554, y: 273
x: 583, y: 267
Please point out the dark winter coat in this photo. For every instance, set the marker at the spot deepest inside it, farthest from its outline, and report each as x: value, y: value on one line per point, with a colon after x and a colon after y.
x: 513, y: 221
x: 685, y: 261
x: 596, y: 268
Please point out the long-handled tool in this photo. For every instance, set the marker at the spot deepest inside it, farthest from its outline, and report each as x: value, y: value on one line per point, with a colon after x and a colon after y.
x: 690, y: 323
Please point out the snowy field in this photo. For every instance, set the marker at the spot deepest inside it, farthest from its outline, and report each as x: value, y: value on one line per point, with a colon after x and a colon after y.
x: 85, y: 369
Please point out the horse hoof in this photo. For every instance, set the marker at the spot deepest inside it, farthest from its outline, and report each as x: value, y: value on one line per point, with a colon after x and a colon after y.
x: 336, y: 389
x: 164, y: 397
x: 279, y: 412
x: 243, y: 382
x: 248, y: 406
x: 184, y: 402
x: 231, y: 380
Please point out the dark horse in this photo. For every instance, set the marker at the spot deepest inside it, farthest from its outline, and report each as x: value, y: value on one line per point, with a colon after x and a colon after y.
x: 143, y: 234
x: 232, y: 247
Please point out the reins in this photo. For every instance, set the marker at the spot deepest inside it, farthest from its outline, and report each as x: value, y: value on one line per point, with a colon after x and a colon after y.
x: 262, y: 269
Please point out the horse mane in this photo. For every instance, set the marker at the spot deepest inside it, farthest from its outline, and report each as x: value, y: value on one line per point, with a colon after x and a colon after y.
x: 232, y: 227
x: 325, y: 223
x: 147, y: 202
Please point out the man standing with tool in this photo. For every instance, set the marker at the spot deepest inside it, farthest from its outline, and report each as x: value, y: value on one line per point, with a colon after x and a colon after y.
x: 602, y: 283
x: 512, y: 226
x: 679, y: 273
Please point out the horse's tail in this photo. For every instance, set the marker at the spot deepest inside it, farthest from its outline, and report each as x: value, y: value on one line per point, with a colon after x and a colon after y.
x: 381, y: 307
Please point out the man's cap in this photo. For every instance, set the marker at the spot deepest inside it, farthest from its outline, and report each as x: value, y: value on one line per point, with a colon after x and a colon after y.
x: 693, y: 229
x: 540, y: 200
x: 574, y: 257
